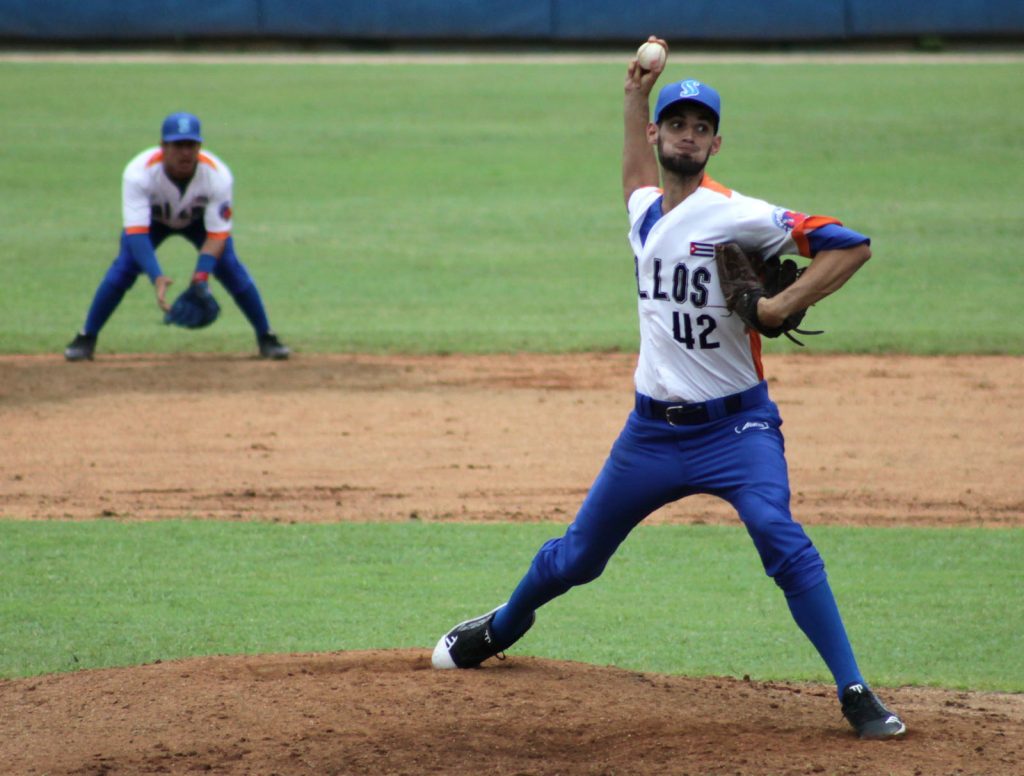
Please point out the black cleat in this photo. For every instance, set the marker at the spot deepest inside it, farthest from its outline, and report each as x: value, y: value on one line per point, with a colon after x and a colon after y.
x: 868, y: 716
x: 272, y: 347
x: 81, y: 348
x: 470, y: 643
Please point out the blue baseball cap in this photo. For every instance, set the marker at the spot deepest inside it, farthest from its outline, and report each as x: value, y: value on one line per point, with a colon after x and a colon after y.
x: 689, y: 90
x: 181, y: 126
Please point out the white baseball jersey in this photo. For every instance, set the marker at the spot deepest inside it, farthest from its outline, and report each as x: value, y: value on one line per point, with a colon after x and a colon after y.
x: 148, y: 195
x: 691, y: 347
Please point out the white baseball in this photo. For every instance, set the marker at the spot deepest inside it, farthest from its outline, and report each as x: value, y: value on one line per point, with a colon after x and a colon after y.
x: 650, y: 55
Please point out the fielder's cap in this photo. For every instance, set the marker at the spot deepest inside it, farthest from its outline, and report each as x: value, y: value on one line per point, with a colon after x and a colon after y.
x: 689, y: 90
x: 181, y: 126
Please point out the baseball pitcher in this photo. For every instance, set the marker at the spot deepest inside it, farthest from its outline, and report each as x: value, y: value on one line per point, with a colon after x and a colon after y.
x: 709, y: 285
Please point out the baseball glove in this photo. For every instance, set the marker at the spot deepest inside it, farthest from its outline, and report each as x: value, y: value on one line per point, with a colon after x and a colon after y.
x: 745, y: 279
x: 194, y: 308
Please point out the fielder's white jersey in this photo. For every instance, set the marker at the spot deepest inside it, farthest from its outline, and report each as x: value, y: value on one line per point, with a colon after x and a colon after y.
x: 691, y: 347
x: 148, y: 195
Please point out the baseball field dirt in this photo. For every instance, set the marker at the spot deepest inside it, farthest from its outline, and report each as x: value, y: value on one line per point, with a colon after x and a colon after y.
x: 871, y: 440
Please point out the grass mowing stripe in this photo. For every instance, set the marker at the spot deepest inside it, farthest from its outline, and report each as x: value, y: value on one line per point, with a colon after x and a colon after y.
x: 923, y: 606
x: 402, y: 208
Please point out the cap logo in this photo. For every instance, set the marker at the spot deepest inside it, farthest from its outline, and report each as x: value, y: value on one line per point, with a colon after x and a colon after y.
x: 690, y: 88
x: 184, y: 125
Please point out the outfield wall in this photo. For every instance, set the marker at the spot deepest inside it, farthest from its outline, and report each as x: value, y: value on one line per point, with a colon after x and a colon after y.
x: 535, y: 21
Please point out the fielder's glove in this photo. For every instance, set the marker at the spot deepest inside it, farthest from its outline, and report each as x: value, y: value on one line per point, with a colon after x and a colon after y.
x: 194, y: 308
x: 745, y: 279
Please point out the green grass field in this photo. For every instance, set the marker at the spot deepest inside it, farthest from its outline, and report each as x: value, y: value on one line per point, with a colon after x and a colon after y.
x: 452, y: 208
x: 402, y: 208
x: 923, y: 606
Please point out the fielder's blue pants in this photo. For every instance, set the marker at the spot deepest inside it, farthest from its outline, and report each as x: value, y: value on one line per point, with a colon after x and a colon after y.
x: 739, y: 457
x: 124, y: 271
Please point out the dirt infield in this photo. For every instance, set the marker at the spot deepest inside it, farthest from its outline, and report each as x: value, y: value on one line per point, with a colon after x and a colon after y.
x: 872, y: 441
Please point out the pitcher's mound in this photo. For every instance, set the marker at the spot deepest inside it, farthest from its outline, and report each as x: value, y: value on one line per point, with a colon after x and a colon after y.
x: 388, y: 712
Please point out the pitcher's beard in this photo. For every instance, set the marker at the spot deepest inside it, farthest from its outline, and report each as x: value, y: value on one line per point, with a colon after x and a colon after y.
x: 684, y: 168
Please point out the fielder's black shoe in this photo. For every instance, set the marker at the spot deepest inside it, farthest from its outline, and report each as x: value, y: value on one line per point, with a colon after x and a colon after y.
x: 868, y: 716
x: 272, y: 347
x: 470, y: 643
x: 80, y: 348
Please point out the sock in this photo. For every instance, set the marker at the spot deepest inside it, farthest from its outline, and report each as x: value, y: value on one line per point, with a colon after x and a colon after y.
x: 509, y: 625
x: 817, y: 614
x: 251, y: 304
x: 108, y: 297
x: 514, y: 619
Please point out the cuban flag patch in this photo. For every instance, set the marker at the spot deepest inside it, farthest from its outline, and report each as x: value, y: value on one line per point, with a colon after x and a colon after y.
x: 702, y: 249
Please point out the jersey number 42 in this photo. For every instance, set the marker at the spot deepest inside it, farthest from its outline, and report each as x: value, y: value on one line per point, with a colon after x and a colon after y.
x: 699, y: 336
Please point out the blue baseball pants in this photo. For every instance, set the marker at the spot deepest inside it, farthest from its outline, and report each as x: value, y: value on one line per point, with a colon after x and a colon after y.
x: 734, y: 450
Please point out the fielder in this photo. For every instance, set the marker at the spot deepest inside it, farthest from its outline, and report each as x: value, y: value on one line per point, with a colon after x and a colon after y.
x: 703, y: 421
x: 177, y: 188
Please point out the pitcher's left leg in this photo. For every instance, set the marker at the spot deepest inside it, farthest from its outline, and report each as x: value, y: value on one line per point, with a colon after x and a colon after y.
x: 763, y: 501
x: 761, y: 496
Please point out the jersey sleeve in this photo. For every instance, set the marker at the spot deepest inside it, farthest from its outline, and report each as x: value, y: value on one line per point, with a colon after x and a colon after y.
x: 832, y: 237
x: 770, y: 230
x: 639, y: 201
x: 217, y: 216
x: 135, y: 205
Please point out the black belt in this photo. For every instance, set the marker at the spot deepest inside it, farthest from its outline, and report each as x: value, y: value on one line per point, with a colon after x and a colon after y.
x: 695, y: 413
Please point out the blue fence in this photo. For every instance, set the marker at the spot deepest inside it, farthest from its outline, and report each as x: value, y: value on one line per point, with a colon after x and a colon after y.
x: 539, y: 21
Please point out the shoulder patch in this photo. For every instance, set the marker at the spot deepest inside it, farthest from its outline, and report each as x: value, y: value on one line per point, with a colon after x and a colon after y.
x: 787, y: 219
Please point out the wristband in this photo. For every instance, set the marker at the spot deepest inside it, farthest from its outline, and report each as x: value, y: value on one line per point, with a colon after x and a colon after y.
x: 200, y: 277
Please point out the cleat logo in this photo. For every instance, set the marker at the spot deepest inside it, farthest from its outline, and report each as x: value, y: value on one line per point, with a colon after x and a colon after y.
x: 449, y: 641
x: 760, y: 426
x: 856, y: 688
x: 893, y: 719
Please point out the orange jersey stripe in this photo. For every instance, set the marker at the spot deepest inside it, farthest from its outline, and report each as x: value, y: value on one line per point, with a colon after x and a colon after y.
x: 204, y: 159
x: 809, y: 224
x: 155, y: 158
x: 218, y: 235
x: 755, y: 352
x: 709, y: 183
x: 136, y: 230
